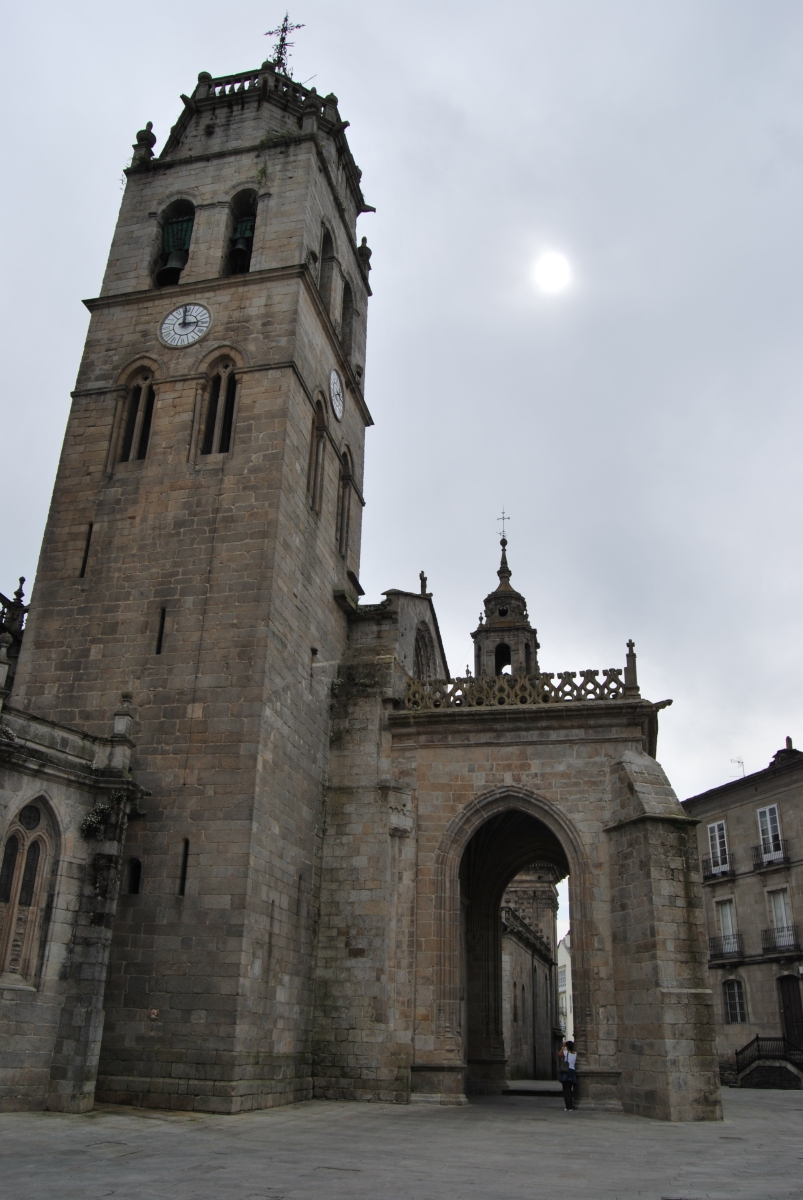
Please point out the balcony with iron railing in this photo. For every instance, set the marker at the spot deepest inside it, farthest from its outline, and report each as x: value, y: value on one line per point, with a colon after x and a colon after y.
x: 715, y: 866
x: 780, y: 940
x: 770, y: 854
x: 728, y: 945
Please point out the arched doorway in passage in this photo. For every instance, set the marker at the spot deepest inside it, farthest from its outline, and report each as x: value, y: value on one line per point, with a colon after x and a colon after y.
x: 499, y: 851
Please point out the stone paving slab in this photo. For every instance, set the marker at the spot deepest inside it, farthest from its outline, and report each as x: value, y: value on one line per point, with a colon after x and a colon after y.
x: 501, y: 1147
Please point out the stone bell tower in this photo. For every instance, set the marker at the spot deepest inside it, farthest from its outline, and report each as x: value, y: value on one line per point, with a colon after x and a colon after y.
x: 201, y: 553
x: 504, y: 637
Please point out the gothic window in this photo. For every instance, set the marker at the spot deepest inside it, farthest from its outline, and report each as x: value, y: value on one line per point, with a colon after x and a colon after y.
x: 734, y: 1002
x: 24, y: 872
x: 327, y: 269
x: 177, y: 223
x: 502, y: 659
x: 423, y: 653
x: 219, y: 422
x: 317, y: 452
x: 244, y: 213
x: 347, y: 318
x: 344, y: 505
x: 138, y: 419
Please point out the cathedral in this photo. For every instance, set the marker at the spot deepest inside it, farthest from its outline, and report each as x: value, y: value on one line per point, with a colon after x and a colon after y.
x: 257, y: 844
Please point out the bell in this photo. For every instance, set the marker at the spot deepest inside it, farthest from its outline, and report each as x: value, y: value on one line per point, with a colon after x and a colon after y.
x: 240, y: 245
x: 171, y: 271
x: 177, y: 260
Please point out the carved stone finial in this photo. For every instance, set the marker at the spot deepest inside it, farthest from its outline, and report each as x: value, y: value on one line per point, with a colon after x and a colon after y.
x: 143, y: 148
x: 504, y: 571
x: 364, y: 255
x: 631, y: 678
x: 423, y: 579
x: 19, y: 592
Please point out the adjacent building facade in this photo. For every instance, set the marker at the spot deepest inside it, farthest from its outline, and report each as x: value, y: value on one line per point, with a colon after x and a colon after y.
x: 750, y: 840
x: 255, y: 840
x: 565, y: 1005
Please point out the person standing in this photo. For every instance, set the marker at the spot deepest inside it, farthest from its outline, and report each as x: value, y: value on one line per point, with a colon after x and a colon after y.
x: 567, y: 1075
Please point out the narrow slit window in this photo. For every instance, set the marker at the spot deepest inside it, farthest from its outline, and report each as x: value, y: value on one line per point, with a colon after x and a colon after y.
x: 85, y: 559
x: 130, y: 423
x: 160, y: 635
x: 29, y: 875
x: 147, y: 419
x: 185, y: 856
x: 228, y: 415
x: 134, y: 876
x: 7, y: 870
x: 316, y: 458
x: 219, y: 424
x: 344, y: 506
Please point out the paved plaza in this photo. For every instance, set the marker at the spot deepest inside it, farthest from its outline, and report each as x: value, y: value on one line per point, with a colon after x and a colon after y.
x: 505, y: 1147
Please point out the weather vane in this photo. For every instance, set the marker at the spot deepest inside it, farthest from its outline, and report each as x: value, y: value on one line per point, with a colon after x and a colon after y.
x: 281, y: 50
x: 504, y: 517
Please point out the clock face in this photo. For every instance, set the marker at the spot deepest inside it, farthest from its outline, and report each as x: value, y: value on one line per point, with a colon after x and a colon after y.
x: 336, y: 393
x: 186, y: 325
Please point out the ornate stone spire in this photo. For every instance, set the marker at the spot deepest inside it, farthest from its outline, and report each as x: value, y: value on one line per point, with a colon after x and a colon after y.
x: 505, y: 637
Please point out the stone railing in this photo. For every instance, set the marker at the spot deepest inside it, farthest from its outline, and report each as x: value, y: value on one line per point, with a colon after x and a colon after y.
x: 500, y: 690
x: 251, y: 81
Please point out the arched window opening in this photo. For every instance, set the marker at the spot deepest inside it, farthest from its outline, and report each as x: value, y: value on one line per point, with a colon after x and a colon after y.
x: 317, y: 451
x: 244, y: 213
x: 25, y: 861
x: 177, y: 224
x: 219, y: 422
x: 344, y: 505
x: 327, y: 269
x: 528, y: 658
x: 138, y: 419
x: 423, y: 653
x: 347, y: 318
x: 502, y: 659
x: 734, y: 1002
x: 134, y: 876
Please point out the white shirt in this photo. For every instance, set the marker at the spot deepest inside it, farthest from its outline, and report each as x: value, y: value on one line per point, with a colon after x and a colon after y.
x: 571, y: 1059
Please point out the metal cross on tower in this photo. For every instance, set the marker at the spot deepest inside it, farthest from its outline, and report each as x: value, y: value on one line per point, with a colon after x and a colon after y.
x: 504, y: 517
x: 281, y: 50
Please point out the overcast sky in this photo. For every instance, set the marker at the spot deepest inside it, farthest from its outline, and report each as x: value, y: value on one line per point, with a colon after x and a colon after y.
x: 642, y: 428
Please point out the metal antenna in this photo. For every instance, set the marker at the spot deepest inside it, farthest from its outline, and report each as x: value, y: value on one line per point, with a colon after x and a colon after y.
x: 739, y: 763
x: 281, y: 50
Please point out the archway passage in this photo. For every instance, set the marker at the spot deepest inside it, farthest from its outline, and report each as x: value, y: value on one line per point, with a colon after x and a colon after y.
x: 499, y: 850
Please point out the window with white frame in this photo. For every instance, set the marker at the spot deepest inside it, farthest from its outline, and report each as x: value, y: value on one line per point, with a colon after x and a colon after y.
x: 726, y: 919
x: 781, y: 918
x: 769, y: 829
x: 718, y: 847
x: 734, y: 1002
x: 561, y: 979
